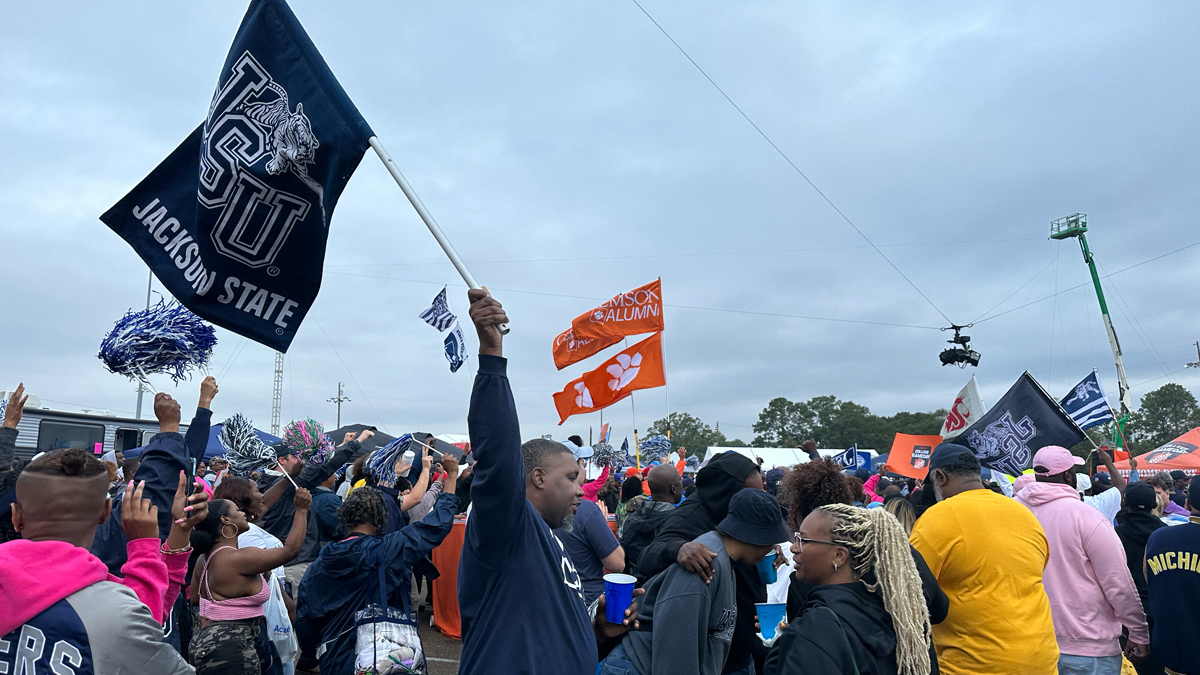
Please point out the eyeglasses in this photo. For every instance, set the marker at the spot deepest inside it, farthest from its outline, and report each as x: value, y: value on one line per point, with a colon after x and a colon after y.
x: 805, y: 540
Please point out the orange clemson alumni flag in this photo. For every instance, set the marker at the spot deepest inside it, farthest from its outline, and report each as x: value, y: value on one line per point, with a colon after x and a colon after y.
x: 569, y: 349
x: 910, y: 454
x: 574, y: 399
x: 636, y: 367
x: 633, y: 313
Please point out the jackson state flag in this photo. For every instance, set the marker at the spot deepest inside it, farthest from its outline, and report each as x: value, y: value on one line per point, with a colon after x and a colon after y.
x: 234, y: 221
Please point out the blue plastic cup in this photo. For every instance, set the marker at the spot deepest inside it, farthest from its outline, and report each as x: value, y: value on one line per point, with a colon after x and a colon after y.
x: 770, y: 615
x: 618, y: 593
x: 766, y: 569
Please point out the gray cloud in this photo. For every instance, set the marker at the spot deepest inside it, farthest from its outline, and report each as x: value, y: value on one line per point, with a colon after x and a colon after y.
x: 574, y: 135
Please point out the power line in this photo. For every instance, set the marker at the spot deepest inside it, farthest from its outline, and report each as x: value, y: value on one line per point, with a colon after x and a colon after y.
x: 352, y: 378
x: 812, y: 249
x: 1088, y: 283
x: 790, y: 162
x: 706, y: 309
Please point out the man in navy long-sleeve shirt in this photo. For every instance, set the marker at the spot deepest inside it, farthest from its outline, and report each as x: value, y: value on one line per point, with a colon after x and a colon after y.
x: 519, y: 596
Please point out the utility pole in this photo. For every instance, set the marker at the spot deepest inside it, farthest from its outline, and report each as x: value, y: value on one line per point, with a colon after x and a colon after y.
x: 1075, y: 225
x: 339, y: 399
x: 277, y: 395
x: 142, y: 387
x: 1196, y: 363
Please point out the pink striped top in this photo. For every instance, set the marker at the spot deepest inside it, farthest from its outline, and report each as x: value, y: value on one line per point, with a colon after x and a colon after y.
x: 247, y: 607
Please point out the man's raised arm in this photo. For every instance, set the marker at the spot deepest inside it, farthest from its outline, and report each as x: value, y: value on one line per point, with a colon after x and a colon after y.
x: 498, y: 491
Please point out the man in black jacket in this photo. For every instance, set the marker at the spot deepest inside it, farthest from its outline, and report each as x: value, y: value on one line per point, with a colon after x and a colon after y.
x: 640, y: 528
x: 716, y: 484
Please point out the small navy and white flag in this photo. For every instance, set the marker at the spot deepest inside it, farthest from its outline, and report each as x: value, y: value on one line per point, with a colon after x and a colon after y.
x: 1087, y: 404
x: 438, y: 315
x: 234, y: 221
x: 848, y: 459
x: 456, y: 348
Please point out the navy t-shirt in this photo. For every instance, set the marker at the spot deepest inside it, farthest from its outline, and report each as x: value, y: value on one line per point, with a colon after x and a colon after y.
x: 1173, y: 582
x: 519, y: 596
x: 589, y: 541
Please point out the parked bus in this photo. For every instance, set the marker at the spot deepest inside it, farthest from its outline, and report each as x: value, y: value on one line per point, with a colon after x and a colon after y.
x: 42, y: 429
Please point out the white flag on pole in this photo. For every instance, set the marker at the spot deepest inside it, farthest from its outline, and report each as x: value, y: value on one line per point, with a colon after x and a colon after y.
x: 967, y: 408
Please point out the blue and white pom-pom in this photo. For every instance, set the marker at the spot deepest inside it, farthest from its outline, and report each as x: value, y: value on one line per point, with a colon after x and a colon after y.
x: 654, y: 448
x: 244, y: 450
x: 382, y: 463
x: 604, y: 454
x: 167, y: 338
x: 692, y: 463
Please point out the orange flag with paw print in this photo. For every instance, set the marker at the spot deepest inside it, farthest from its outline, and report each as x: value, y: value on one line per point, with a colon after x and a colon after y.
x: 636, y: 367
x: 632, y: 313
x: 569, y: 349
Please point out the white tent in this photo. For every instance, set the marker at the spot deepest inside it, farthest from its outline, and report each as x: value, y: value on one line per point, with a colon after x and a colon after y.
x: 778, y: 457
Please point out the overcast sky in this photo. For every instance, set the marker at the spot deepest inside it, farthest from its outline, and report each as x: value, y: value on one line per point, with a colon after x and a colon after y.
x: 571, y: 152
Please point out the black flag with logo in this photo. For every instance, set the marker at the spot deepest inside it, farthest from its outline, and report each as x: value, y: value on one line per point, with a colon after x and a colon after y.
x: 234, y: 221
x: 1023, y: 421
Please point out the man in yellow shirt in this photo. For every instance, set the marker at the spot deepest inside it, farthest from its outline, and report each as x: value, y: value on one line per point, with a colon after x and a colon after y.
x: 988, y: 553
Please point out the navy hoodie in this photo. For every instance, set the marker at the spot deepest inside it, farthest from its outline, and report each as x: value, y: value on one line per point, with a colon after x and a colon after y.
x: 519, y: 596
x: 344, y: 579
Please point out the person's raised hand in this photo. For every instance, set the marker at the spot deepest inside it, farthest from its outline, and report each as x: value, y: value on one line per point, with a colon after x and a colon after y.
x: 450, y: 466
x: 16, y: 406
x: 347, y: 438
x: 426, y: 458
x: 697, y: 559
x: 487, y: 314
x: 139, y: 517
x: 188, y: 510
x: 882, y: 469
x: 809, y: 447
x: 208, y: 391
x: 1104, y: 457
x: 302, y: 500
x: 467, y: 470
x: 166, y: 409
x: 365, y: 435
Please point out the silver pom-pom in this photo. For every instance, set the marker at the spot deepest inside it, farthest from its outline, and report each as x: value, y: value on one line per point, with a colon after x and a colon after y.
x: 244, y: 450
x: 654, y: 448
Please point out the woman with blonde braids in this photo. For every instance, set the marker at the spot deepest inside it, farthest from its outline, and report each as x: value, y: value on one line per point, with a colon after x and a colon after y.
x: 866, y: 614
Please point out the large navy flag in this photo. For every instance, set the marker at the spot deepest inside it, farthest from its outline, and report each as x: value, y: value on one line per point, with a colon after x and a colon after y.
x: 234, y: 221
x: 1087, y: 404
x: 1023, y: 421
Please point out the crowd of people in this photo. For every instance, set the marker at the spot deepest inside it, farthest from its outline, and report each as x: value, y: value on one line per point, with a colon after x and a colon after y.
x: 165, y: 564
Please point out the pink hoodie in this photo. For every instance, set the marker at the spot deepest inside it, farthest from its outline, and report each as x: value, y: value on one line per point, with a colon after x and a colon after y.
x: 1091, y: 592
x: 592, y: 488
x: 869, y: 489
x: 36, y: 574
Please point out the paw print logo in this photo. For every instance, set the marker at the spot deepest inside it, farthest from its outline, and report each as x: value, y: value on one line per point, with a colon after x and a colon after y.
x: 583, y: 398
x: 624, y: 371
x: 598, y: 315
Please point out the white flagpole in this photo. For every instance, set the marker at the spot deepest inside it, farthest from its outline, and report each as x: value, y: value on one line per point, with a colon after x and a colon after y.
x: 427, y: 217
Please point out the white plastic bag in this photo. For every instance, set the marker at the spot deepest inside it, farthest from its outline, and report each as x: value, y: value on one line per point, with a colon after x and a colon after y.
x: 279, y: 623
x: 386, y: 645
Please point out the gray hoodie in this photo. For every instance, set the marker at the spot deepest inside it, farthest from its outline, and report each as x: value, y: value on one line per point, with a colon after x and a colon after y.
x: 690, y: 622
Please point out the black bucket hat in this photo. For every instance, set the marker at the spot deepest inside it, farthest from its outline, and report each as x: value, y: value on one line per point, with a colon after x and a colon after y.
x: 754, y: 518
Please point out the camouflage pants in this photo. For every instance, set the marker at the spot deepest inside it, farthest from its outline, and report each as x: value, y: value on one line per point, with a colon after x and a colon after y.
x: 227, y: 648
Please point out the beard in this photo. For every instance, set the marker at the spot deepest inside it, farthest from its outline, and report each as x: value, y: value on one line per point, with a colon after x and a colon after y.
x: 568, y: 523
x: 937, y: 490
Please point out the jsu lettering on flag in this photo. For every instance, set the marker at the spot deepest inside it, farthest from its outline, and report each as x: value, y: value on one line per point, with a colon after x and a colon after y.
x: 967, y: 408
x: 634, y: 313
x: 569, y: 349
x: 1022, y: 421
x: 1087, y: 404
x: 438, y: 315
x: 847, y: 459
x: 235, y: 220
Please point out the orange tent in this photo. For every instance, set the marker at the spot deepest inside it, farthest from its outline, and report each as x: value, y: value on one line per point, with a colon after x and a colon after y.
x: 1183, y: 453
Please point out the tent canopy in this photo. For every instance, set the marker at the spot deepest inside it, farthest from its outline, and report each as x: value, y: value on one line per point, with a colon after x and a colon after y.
x: 1183, y: 453
x: 780, y: 457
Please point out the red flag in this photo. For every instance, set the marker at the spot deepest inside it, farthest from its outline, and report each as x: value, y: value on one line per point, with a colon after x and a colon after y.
x: 633, y: 313
x: 910, y: 454
x: 633, y: 368
x: 569, y: 349
x: 574, y: 399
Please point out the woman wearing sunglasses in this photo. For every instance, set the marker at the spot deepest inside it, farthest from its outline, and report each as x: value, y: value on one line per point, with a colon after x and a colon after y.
x: 866, y: 613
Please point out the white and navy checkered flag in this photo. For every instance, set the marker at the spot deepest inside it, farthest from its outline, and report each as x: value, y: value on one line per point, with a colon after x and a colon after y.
x: 848, y: 459
x: 438, y: 315
x: 1087, y: 404
x: 455, y: 347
